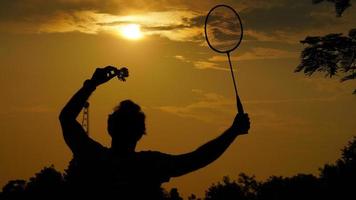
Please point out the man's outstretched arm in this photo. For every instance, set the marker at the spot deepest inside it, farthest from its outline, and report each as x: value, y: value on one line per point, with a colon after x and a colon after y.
x: 73, y: 132
x: 207, y: 153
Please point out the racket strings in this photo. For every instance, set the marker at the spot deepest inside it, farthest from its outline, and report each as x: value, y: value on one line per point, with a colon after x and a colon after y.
x: 223, y: 29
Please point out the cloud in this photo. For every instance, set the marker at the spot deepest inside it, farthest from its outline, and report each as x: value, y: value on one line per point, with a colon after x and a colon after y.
x: 290, y: 21
x: 82, y: 21
x: 182, y: 58
x: 202, y: 64
x: 327, y: 85
x: 209, y: 65
x: 295, y: 100
x: 286, y: 21
x: 215, y: 108
x: 209, y: 107
x: 277, y: 36
x: 258, y: 53
x: 170, y: 19
x: 173, y: 25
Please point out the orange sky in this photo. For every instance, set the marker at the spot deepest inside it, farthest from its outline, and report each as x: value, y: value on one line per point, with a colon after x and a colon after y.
x: 48, y: 48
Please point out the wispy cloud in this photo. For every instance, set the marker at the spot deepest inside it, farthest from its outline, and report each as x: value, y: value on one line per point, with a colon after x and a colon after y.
x: 209, y: 65
x: 209, y: 107
x: 327, y: 85
x: 258, y: 53
x: 275, y: 36
x: 174, y: 25
x: 295, y: 100
x: 203, y: 65
x: 178, y: 20
x: 182, y: 58
x: 215, y: 108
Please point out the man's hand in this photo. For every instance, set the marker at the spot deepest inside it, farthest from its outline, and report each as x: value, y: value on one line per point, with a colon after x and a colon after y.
x: 102, y: 75
x: 241, y: 124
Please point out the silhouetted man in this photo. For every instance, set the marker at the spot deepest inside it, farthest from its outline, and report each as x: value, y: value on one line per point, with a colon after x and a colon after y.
x: 120, y: 171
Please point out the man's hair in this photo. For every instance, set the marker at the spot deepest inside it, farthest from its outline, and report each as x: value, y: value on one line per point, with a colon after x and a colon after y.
x: 127, y: 117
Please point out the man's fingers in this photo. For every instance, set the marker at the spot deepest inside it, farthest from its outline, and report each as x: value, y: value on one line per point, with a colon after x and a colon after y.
x: 110, y: 71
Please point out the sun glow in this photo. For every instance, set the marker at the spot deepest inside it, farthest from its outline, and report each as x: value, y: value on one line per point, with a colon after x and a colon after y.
x: 131, y: 31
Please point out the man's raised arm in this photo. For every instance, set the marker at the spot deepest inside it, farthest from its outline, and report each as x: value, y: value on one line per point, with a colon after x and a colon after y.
x: 207, y: 153
x: 73, y: 132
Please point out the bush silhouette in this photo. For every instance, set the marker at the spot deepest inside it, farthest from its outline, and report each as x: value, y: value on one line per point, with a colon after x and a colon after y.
x: 335, y: 181
x: 332, y: 54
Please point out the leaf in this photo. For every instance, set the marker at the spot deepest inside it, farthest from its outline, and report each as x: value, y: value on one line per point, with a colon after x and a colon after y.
x: 332, y: 54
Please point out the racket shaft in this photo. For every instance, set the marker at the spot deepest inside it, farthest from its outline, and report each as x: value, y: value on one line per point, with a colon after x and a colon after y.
x: 240, y: 108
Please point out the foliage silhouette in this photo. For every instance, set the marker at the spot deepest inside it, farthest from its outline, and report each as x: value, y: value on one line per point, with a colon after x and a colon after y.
x: 244, y: 188
x: 301, y: 186
x: 14, y: 189
x: 339, y: 179
x: 193, y: 197
x: 332, y: 54
x: 340, y: 5
x: 335, y: 181
x: 174, y: 195
x: 46, y: 184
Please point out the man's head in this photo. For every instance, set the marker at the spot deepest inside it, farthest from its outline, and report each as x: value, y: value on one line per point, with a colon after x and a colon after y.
x: 127, y: 123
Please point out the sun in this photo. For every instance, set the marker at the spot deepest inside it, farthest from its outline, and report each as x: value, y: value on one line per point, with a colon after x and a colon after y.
x: 131, y: 31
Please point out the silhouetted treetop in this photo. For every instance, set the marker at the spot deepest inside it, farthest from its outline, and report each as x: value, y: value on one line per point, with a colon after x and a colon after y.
x: 336, y: 181
x: 333, y: 54
x: 340, y: 5
x: 349, y: 152
x: 245, y: 188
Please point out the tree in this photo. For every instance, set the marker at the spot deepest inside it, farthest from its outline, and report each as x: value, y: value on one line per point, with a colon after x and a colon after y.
x: 193, y: 197
x: 340, y: 5
x: 244, y: 188
x: 336, y: 181
x: 174, y: 194
x: 14, y: 190
x: 339, y: 179
x: 228, y: 190
x: 47, y: 183
x: 333, y: 54
x: 301, y: 186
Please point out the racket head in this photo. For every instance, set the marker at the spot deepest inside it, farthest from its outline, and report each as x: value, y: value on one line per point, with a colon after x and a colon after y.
x: 229, y: 28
